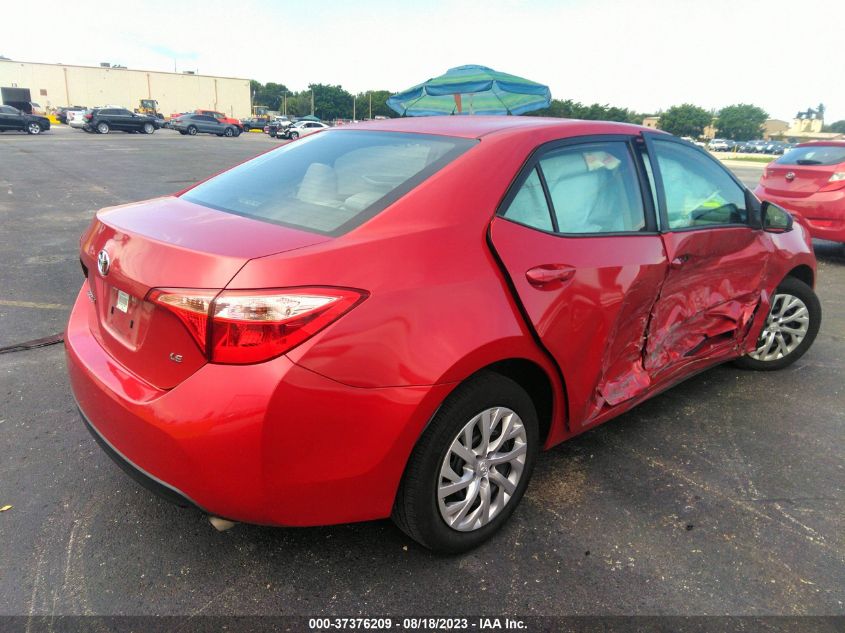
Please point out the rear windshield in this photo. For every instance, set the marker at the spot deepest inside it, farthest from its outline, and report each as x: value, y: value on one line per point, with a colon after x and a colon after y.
x: 331, y: 182
x: 813, y: 155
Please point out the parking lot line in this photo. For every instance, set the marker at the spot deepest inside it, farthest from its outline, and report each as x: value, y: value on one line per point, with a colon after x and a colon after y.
x: 32, y: 304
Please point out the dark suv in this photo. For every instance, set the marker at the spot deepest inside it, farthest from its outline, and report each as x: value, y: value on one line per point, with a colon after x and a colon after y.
x: 13, y: 119
x: 193, y: 124
x: 104, y: 120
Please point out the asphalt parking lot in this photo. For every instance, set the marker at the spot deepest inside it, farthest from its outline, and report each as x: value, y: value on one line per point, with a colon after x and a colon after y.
x: 724, y: 495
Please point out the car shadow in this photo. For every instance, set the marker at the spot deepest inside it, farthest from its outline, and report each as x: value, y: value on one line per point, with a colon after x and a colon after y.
x: 829, y: 252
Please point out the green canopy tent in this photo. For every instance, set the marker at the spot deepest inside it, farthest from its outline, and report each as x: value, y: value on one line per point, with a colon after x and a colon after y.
x: 471, y: 90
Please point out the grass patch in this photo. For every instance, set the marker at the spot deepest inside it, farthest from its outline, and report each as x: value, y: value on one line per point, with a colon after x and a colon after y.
x: 749, y: 158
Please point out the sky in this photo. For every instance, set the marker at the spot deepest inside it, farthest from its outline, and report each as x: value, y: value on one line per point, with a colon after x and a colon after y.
x: 784, y: 56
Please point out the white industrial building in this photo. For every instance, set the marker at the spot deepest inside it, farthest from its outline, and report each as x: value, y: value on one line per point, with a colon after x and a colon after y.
x: 54, y: 85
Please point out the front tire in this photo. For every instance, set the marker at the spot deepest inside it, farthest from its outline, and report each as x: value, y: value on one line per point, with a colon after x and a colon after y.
x: 228, y: 132
x: 790, y: 329
x: 149, y: 128
x: 294, y: 136
x: 33, y: 128
x: 471, y: 466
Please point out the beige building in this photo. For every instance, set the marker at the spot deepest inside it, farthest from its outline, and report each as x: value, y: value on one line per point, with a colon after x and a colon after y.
x: 774, y: 128
x: 651, y: 122
x: 54, y: 85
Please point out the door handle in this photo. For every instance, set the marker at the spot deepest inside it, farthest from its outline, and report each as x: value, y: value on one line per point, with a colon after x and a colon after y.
x: 549, y: 273
x: 679, y: 261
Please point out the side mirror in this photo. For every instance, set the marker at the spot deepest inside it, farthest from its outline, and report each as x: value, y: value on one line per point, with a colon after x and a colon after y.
x: 775, y: 219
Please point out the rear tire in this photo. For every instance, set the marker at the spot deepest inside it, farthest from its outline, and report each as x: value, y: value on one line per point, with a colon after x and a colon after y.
x: 488, y: 484
x: 791, y: 327
x: 192, y: 130
x: 103, y: 127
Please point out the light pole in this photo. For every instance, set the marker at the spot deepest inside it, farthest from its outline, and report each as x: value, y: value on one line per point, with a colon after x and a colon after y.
x: 354, y: 99
x: 312, y: 101
x: 371, y: 106
x: 286, y: 102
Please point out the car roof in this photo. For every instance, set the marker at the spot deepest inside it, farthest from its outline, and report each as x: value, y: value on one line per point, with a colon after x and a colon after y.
x: 476, y: 126
x: 832, y: 143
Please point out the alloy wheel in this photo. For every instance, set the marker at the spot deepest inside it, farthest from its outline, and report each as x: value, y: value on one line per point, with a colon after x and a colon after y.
x: 786, y: 326
x: 482, y: 469
x: 34, y: 128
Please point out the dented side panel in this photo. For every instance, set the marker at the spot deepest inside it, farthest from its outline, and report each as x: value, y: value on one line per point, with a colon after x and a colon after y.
x: 709, y: 298
x: 593, y: 323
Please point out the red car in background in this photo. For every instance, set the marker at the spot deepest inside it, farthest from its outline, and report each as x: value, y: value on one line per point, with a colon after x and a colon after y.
x: 809, y: 181
x: 392, y: 318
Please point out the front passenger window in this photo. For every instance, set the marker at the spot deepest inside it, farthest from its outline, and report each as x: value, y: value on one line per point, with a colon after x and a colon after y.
x: 698, y: 191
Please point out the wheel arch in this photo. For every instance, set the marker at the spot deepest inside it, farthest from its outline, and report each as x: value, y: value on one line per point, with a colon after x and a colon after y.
x: 537, y: 384
x: 803, y: 273
x: 542, y: 386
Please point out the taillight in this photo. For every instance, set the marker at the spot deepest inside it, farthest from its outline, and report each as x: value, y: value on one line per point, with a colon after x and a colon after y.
x: 88, y: 117
x: 836, y: 181
x: 251, y: 326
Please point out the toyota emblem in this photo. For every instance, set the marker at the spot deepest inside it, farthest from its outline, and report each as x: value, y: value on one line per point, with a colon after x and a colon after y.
x: 790, y: 176
x: 103, y: 262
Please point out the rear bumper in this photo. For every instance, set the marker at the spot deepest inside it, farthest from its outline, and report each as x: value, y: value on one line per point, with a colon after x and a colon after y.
x: 822, y: 212
x: 151, y: 483
x: 271, y: 443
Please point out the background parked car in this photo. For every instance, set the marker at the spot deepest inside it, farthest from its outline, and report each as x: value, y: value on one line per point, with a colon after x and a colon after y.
x: 76, y: 118
x: 13, y: 119
x: 254, y: 123
x: 193, y: 124
x: 302, y: 128
x: 222, y: 118
x: 719, y: 145
x: 809, y: 181
x: 104, y: 120
x: 61, y: 113
x: 277, y: 126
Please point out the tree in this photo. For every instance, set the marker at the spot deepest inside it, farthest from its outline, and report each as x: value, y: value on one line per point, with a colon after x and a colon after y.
x: 270, y: 95
x: 379, y: 101
x: 331, y: 102
x: 838, y: 127
x: 741, y: 122
x: 569, y: 109
x: 685, y: 120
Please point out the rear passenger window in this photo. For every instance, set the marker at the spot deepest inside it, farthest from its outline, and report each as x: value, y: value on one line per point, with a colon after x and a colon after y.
x: 529, y: 206
x: 593, y: 188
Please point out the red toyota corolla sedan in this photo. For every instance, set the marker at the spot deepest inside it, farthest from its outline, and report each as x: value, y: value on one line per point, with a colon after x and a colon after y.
x: 391, y: 319
x: 809, y: 181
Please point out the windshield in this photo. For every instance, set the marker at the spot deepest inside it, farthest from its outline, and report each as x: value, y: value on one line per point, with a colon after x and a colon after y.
x: 813, y: 155
x: 329, y: 183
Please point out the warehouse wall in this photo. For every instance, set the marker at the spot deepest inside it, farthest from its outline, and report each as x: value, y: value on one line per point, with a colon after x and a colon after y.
x: 56, y: 85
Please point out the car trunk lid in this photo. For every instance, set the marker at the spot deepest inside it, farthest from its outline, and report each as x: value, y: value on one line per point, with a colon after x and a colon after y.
x: 166, y: 243
x: 797, y: 181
